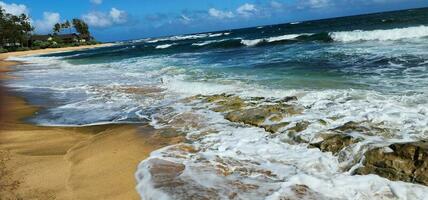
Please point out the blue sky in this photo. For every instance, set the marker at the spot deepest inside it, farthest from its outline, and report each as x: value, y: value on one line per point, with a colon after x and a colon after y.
x: 112, y: 20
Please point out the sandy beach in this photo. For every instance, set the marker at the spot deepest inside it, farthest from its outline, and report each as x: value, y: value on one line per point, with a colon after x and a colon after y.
x: 96, y: 162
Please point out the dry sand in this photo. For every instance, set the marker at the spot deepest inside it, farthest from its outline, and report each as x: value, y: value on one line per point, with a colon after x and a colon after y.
x: 96, y: 162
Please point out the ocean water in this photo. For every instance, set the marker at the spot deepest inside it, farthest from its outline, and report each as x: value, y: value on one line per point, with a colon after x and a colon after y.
x: 368, y: 68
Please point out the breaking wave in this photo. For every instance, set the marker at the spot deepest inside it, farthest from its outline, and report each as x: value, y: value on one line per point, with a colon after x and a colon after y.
x: 381, y: 35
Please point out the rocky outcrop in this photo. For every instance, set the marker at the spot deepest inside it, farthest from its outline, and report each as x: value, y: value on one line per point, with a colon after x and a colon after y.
x: 398, y: 162
x: 258, y: 115
x: 254, y: 111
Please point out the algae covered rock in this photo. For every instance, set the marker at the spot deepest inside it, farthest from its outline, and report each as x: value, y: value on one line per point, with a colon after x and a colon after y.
x: 254, y: 111
x: 222, y: 102
x: 398, y: 162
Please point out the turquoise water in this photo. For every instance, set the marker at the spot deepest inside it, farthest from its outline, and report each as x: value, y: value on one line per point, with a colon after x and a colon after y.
x: 368, y: 68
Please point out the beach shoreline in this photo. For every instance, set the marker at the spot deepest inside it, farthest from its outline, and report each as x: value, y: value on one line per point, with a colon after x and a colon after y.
x: 94, y: 162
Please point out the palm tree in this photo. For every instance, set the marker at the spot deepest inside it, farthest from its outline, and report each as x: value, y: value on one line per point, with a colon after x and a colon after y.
x: 81, y: 27
x: 67, y: 25
x: 57, y: 28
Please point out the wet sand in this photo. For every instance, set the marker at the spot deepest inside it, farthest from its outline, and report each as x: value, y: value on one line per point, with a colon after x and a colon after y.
x: 96, y: 162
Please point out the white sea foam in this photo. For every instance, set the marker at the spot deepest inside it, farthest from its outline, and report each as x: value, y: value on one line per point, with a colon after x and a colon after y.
x: 382, y: 35
x: 236, y: 148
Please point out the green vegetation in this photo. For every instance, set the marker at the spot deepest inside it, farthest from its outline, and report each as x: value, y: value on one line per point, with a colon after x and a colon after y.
x: 14, y: 30
x: 16, y: 34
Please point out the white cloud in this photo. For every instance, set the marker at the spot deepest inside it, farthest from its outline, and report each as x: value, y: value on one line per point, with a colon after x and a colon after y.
x: 185, y: 19
x: 102, y: 19
x: 97, y: 2
x: 14, y: 9
x: 246, y: 9
x: 220, y: 14
x: 276, y: 4
x: 46, y: 24
x: 97, y: 19
x: 118, y: 16
x: 315, y: 4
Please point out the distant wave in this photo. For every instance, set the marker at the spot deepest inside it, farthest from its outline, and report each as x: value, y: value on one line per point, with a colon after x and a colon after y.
x: 217, y: 34
x: 381, y: 35
x: 251, y: 42
x: 164, y: 46
x: 239, y: 42
x: 270, y: 39
x: 185, y: 37
x: 224, y: 43
x: 207, y: 42
x: 287, y: 38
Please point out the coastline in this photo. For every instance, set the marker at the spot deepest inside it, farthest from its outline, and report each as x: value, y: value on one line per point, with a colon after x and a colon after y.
x: 94, y: 162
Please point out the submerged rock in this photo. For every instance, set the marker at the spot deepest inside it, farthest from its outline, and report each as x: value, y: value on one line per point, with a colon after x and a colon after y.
x: 273, y: 128
x: 335, y: 142
x: 364, y: 127
x: 398, y: 162
x: 167, y: 177
x: 170, y: 132
x: 295, y: 192
x: 293, y: 132
x: 164, y: 173
x: 287, y: 99
x: 343, y: 136
x: 299, y: 127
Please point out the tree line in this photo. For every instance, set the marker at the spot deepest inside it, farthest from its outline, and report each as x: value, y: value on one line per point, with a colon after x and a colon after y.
x: 16, y: 31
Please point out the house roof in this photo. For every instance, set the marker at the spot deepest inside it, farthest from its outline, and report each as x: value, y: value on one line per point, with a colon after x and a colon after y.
x: 68, y: 36
x: 62, y: 36
x: 40, y: 37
